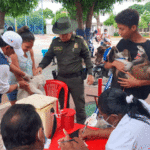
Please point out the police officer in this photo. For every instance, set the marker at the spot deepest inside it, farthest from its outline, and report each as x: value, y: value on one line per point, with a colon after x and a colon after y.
x: 10, y: 43
x: 69, y: 50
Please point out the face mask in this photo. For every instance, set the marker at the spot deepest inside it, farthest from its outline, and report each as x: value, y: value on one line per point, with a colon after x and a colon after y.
x: 106, y: 121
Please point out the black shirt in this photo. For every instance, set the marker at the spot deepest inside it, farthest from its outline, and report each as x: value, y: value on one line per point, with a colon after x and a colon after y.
x: 139, y: 92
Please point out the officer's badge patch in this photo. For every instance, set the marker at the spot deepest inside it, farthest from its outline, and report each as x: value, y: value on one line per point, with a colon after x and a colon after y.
x: 58, y: 48
x: 85, y: 44
x: 76, y: 45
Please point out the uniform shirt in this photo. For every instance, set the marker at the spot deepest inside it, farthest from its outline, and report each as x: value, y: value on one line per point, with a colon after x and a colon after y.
x: 126, y: 134
x: 69, y: 55
x: 4, y: 76
x: 138, y: 92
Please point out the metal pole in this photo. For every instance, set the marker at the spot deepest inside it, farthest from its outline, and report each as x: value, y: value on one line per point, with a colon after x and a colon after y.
x: 42, y: 17
x: 25, y: 20
x: 15, y: 25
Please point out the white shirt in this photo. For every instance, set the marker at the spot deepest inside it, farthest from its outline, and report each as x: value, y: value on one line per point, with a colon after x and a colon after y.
x: 4, y: 76
x: 128, y: 133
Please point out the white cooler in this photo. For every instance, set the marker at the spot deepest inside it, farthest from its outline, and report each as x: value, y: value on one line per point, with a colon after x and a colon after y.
x: 43, y: 104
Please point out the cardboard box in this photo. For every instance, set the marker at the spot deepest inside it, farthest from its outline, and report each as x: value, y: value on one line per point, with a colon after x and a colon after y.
x: 43, y: 104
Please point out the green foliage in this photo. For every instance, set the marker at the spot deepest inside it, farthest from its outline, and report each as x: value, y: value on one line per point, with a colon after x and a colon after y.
x: 58, y: 15
x: 147, y: 6
x: 145, y: 34
x: 116, y: 34
x: 115, y: 25
x: 48, y: 14
x: 145, y: 19
x: 72, y: 11
x: 102, y: 6
x: 110, y: 21
x: 139, y: 8
x: 17, y: 7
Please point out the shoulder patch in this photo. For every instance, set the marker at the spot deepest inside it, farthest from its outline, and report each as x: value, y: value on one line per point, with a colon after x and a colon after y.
x: 85, y: 43
x: 79, y: 36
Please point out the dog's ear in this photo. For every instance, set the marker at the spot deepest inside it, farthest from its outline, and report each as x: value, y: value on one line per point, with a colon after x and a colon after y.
x: 111, y: 56
x: 126, y: 54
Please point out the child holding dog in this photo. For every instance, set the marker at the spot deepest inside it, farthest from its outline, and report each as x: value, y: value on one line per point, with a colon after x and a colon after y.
x: 26, y: 62
x: 127, y: 22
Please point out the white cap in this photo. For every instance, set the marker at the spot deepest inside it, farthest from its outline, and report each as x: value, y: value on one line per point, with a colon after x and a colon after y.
x: 14, y: 40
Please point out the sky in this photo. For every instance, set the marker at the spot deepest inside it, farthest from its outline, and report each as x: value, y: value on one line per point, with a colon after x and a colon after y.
x: 117, y: 7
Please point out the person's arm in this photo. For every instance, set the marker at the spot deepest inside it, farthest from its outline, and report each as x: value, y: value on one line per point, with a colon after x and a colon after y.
x: 20, y: 84
x: 16, y: 70
x: 33, y: 62
x: 132, y: 82
x: 85, y: 54
x: 94, y: 134
x: 71, y: 144
x: 117, y: 64
x: 14, y: 61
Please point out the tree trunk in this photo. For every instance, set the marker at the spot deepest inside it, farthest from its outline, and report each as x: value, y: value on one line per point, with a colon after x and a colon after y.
x: 80, y: 30
x: 89, y: 23
x: 2, y: 16
x: 98, y: 20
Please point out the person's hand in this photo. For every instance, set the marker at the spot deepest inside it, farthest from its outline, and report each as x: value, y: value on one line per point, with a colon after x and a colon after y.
x: 27, y: 77
x: 76, y: 144
x: 90, y: 79
x: 38, y: 70
x: 23, y: 85
x: 130, y: 82
x: 71, y: 144
x: 88, y: 133
x: 118, y: 65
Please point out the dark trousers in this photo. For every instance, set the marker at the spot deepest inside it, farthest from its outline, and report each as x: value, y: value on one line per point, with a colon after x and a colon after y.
x: 76, y: 89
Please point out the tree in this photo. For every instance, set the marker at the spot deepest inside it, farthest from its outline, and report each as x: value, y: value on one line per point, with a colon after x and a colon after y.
x: 15, y: 8
x: 48, y: 14
x: 147, y: 6
x: 145, y: 20
x: 88, y: 7
x: 110, y: 21
x: 139, y: 8
x: 58, y: 15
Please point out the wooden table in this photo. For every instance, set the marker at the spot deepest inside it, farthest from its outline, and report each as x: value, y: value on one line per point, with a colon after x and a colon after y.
x: 96, y: 144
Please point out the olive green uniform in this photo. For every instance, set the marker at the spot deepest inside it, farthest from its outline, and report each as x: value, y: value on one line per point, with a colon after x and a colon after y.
x: 69, y: 59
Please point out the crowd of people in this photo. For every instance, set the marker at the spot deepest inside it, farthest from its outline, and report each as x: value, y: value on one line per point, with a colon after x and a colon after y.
x: 122, y: 106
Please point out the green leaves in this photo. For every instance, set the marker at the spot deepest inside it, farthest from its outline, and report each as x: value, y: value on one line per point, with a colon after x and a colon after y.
x: 17, y: 7
x: 110, y: 21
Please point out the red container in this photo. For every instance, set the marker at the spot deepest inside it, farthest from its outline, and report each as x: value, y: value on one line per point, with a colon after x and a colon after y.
x: 67, y: 118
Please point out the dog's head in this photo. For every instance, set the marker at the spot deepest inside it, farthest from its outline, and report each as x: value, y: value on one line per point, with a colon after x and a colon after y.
x: 99, y: 54
x: 115, y: 54
x: 39, y: 80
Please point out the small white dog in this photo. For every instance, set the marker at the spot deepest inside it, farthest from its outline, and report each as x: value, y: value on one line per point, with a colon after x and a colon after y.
x: 36, y: 84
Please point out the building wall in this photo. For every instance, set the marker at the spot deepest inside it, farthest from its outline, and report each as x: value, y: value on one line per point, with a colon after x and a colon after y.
x: 49, y: 29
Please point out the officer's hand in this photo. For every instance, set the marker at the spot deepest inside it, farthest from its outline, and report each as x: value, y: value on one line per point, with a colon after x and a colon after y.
x: 23, y: 85
x: 90, y: 79
x: 38, y: 70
